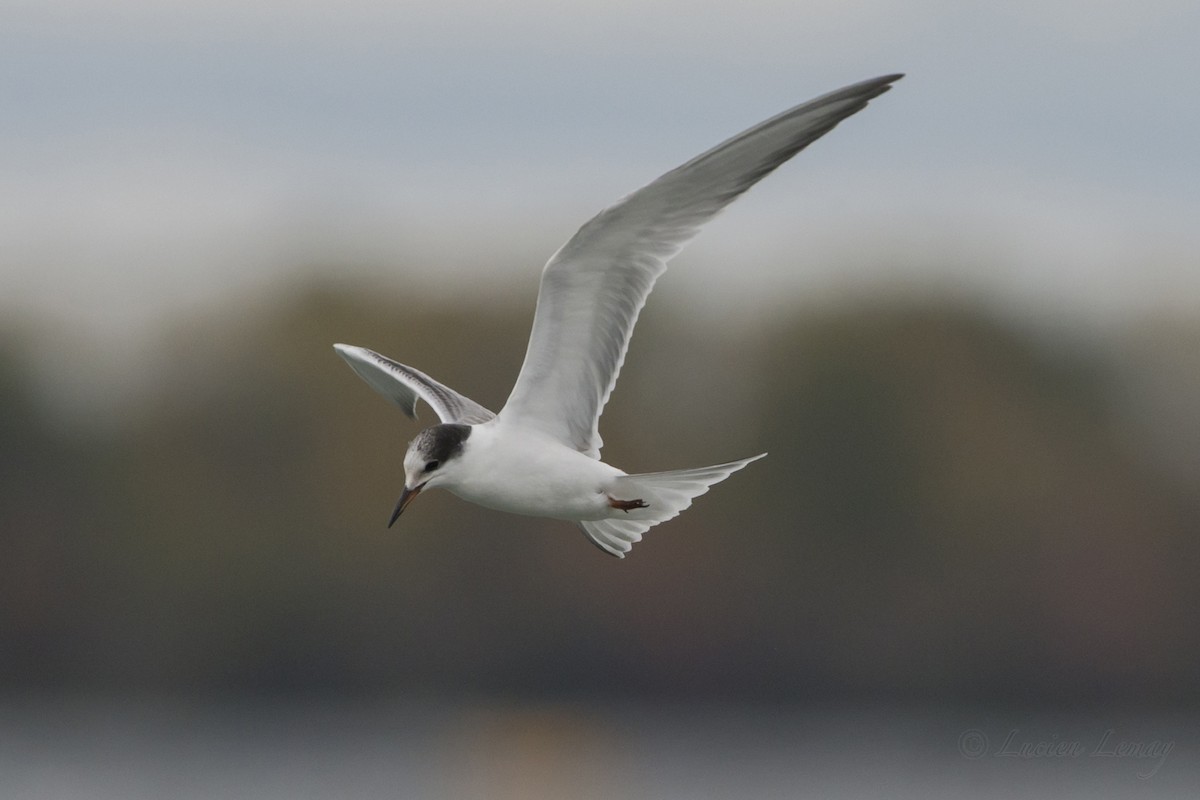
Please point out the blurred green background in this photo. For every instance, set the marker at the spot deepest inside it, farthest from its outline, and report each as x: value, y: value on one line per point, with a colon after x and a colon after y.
x: 955, y: 506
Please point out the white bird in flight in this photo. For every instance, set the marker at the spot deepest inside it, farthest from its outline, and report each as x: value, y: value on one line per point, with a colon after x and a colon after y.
x: 540, y: 455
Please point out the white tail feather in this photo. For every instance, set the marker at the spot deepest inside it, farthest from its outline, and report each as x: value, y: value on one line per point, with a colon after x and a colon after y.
x: 665, y: 494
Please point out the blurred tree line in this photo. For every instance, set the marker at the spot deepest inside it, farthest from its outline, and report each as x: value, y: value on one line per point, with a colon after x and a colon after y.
x: 952, y: 508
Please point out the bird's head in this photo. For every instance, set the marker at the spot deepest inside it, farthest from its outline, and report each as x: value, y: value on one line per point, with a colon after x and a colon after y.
x: 431, y: 460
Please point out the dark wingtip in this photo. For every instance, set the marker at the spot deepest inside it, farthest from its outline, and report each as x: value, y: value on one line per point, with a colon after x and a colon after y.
x: 882, y: 84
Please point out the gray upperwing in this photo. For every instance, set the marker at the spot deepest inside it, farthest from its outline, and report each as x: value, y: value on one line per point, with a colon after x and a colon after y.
x: 404, y: 386
x: 593, y: 288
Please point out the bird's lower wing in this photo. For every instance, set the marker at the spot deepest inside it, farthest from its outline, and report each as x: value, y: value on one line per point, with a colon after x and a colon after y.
x: 404, y: 386
x: 594, y: 287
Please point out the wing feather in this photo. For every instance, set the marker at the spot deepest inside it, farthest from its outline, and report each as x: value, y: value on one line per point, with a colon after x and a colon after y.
x: 404, y: 386
x: 594, y: 287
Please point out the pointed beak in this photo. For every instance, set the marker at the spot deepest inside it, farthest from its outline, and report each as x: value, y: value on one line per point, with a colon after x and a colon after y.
x: 406, y: 497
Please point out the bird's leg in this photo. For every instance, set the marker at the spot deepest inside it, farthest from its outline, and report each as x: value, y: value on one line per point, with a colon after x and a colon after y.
x: 626, y: 505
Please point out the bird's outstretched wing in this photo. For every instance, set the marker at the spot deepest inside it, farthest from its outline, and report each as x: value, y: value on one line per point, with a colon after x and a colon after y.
x: 404, y: 386
x: 593, y: 288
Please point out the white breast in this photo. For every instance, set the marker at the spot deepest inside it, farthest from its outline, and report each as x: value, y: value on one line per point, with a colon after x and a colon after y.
x: 526, y: 472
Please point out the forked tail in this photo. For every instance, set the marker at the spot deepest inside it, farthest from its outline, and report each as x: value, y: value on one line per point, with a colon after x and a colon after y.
x: 665, y: 494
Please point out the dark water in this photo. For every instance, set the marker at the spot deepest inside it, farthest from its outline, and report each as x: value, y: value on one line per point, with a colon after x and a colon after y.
x: 153, y: 748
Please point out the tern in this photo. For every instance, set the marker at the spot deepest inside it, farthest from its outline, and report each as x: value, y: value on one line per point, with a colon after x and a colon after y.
x: 540, y: 455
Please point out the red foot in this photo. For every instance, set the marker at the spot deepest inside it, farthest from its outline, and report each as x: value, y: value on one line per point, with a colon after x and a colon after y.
x: 626, y: 505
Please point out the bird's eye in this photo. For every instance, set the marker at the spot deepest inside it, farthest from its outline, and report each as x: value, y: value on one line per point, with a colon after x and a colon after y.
x: 431, y: 466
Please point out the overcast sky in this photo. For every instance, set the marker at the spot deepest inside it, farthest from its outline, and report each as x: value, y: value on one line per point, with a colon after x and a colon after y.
x: 159, y: 156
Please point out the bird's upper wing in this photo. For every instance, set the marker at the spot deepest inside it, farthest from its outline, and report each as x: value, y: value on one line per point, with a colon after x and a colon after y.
x: 593, y: 288
x: 404, y: 386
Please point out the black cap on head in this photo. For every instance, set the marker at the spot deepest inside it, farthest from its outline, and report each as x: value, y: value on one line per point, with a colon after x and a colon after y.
x: 441, y: 443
